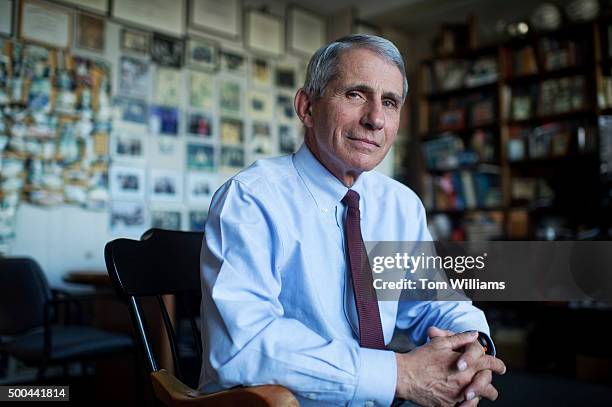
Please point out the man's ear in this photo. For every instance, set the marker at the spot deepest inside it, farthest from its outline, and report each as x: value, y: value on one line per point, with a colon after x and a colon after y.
x: 303, y: 107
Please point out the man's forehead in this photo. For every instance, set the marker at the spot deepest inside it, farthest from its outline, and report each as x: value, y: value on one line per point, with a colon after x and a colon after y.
x: 362, y: 64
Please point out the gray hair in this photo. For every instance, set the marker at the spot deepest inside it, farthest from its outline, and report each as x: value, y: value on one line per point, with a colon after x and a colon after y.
x: 323, y: 66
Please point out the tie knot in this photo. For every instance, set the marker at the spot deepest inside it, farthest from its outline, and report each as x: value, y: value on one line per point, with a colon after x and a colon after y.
x: 351, y: 199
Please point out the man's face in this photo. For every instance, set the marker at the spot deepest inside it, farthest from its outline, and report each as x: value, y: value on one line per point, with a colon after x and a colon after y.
x: 355, y: 122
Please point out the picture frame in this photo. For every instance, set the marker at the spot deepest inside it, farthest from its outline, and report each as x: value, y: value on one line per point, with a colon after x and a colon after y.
x: 232, y: 62
x: 166, y: 185
x: 200, y: 157
x: 215, y: 17
x: 162, y: 16
x: 201, y: 90
x: 306, y: 31
x: 202, y: 54
x: 45, y: 24
x: 97, y: 6
x: 164, y: 120
x: 200, y: 187
x: 169, y: 219
x: 167, y: 86
x: 261, y: 73
x: 127, y: 182
x: 7, y: 23
x: 137, y: 41
x: 265, y: 33
x: 167, y: 51
x: 126, y: 218
x: 197, y: 220
x: 90, y: 32
x: 134, y: 77
x: 200, y: 124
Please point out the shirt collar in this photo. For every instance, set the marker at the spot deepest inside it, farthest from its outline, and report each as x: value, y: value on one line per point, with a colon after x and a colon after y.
x: 325, y: 188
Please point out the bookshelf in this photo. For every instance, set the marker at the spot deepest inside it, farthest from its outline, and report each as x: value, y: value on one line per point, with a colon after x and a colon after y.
x: 510, y: 135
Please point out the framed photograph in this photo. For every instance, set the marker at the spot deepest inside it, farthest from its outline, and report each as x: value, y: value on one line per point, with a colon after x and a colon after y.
x: 167, y: 51
x: 285, y: 77
x: 167, y: 86
x: 287, y: 139
x: 133, y: 76
x: 233, y: 62
x: 130, y: 110
x: 166, y: 219
x: 6, y: 17
x: 202, y: 54
x: 46, y: 24
x: 126, y: 218
x: 166, y: 185
x: 127, y: 182
x: 160, y: 15
x: 200, y: 157
x: 90, y: 32
x: 232, y: 131
x: 128, y: 147
x: 200, y: 124
x: 164, y: 120
x: 135, y: 41
x: 260, y: 104
x: 217, y: 17
x: 284, y: 108
x: 201, y: 187
x: 167, y: 152
x: 230, y: 97
x: 261, y: 139
x: 232, y: 158
x: 261, y: 73
x: 265, y: 33
x: 197, y: 220
x: 201, y: 90
x: 307, y: 31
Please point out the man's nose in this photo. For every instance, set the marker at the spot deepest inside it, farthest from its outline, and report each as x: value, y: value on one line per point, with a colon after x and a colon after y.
x: 373, y: 117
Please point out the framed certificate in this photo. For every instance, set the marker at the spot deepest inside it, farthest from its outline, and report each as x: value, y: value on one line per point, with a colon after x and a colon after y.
x: 100, y: 6
x: 45, y: 23
x: 217, y: 17
x: 264, y: 33
x: 307, y: 31
x: 160, y: 15
x: 6, y: 17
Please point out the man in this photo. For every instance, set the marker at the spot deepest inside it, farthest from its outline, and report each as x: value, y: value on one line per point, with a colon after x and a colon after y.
x: 279, y: 302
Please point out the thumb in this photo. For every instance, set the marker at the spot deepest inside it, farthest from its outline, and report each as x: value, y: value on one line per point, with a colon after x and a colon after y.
x: 462, y: 339
x: 434, y: 332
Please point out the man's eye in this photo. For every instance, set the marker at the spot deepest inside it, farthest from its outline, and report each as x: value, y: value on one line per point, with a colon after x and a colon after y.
x: 389, y: 103
x: 353, y: 95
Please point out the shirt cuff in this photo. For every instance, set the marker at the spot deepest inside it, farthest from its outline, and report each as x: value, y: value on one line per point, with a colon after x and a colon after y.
x: 377, y: 378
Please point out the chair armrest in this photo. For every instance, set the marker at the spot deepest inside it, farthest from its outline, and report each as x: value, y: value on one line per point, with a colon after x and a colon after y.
x: 172, y: 392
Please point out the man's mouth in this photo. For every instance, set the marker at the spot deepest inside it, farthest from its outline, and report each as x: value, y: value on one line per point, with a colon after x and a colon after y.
x: 365, y: 140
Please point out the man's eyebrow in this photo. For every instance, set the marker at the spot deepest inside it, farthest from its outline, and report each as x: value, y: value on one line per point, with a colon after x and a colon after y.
x: 368, y: 89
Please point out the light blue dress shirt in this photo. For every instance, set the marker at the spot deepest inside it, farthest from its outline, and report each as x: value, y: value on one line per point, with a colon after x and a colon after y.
x: 277, y: 302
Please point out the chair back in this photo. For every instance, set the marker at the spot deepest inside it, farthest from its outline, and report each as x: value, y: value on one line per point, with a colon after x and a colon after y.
x: 24, y: 292
x: 163, y: 262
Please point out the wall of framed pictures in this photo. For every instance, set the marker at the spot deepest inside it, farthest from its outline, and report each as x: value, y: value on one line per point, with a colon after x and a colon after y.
x: 185, y: 113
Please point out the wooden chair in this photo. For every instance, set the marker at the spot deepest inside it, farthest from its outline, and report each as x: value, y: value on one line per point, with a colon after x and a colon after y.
x: 162, y: 263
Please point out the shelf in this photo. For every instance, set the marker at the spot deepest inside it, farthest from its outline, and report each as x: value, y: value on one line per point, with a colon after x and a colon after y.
x: 554, y: 160
x: 542, y: 76
x: 433, y: 134
x: 470, y: 167
x: 553, y: 117
x: 458, y: 212
x: 461, y: 91
x: 487, y: 50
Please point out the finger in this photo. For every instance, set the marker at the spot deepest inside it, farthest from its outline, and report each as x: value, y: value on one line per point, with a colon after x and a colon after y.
x: 491, y: 363
x: 462, y: 339
x: 470, y: 403
x: 481, y: 386
x: 471, y: 354
x: 434, y: 332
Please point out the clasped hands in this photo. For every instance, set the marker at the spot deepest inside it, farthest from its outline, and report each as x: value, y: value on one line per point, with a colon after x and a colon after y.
x: 449, y: 369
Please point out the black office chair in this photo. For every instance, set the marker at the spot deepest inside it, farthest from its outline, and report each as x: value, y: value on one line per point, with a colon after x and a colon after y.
x: 162, y: 263
x: 28, y: 332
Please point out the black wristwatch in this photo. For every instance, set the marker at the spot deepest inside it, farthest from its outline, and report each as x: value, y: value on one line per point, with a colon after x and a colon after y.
x: 486, y: 343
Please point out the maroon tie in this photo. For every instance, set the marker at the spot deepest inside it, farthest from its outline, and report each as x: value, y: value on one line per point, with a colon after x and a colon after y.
x: 370, y: 327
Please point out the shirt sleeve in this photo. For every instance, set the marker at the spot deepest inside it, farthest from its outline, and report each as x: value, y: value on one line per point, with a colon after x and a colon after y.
x: 246, y: 337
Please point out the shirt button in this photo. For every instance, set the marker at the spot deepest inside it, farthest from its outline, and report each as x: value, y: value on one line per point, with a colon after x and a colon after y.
x: 324, y: 210
x: 369, y: 403
x: 311, y: 396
